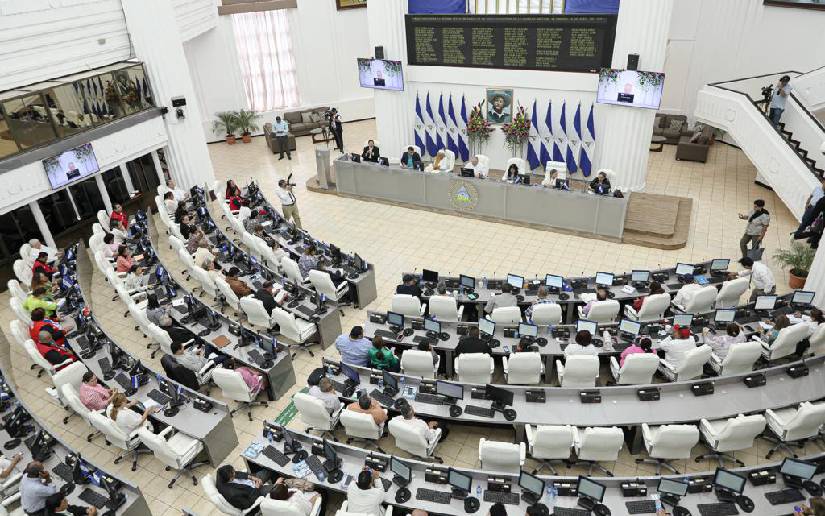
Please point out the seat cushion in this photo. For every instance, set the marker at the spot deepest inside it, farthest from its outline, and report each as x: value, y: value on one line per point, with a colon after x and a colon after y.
x: 293, y: 117
x: 182, y: 444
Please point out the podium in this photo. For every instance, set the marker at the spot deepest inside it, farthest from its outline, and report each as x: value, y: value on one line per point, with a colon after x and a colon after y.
x: 323, y: 168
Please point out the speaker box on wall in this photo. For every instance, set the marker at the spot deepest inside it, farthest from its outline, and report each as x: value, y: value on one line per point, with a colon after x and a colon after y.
x: 632, y: 61
x: 379, y: 52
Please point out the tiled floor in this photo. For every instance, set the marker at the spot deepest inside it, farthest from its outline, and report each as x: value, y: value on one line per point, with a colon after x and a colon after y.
x: 399, y: 239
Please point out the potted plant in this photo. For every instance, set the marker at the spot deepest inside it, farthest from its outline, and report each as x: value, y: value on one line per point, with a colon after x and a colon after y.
x: 797, y: 260
x: 517, y: 133
x: 247, y: 123
x: 225, y: 123
x: 478, y: 130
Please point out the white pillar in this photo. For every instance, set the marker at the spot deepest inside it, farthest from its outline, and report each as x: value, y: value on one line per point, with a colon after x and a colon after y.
x: 155, y: 37
x: 48, y: 239
x: 624, y: 133
x: 104, y: 194
x: 158, y: 167
x: 127, y: 178
x: 816, y: 278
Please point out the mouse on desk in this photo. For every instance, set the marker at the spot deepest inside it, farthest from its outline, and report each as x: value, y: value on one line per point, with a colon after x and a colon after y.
x: 471, y: 504
x: 745, y: 503
x: 680, y: 511
x: 601, y: 510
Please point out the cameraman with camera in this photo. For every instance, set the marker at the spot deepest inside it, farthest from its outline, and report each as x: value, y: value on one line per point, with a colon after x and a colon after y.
x: 778, y: 99
x: 289, y: 206
x: 336, y: 127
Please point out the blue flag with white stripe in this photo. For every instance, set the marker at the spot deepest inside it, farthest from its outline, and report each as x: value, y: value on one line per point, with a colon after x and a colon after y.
x: 584, y: 161
x: 532, y: 157
x: 439, y: 142
x: 431, y: 148
x: 571, y: 160
x: 462, y: 145
x: 577, y: 121
x: 591, y: 126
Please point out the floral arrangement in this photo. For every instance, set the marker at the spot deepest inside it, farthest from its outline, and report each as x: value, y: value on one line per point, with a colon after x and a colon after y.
x: 650, y: 79
x: 478, y: 129
x: 608, y: 74
x: 517, y: 132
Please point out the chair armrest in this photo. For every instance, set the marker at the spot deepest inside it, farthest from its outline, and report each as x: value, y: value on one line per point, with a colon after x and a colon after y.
x: 423, y: 309
x: 460, y: 312
x: 254, y: 507
x: 772, y: 416
x: 706, y: 429
x: 388, y: 512
x: 481, y: 445
x: 666, y: 365
x: 505, y: 364
x: 678, y: 308
x: 560, y: 368
x: 764, y: 344
x: 647, y: 435
x: 522, y: 453
x: 165, y: 433
x: 63, y: 364
x: 630, y: 312
x: 528, y: 430
x: 614, y: 368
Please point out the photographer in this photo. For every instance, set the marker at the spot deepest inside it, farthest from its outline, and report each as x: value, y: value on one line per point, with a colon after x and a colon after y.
x: 289, y: 206
x: 337, y: 128
x: 778, y: 99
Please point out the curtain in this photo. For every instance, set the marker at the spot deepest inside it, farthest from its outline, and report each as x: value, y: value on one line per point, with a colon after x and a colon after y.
x: 515, y: 6
x: 267, y: 65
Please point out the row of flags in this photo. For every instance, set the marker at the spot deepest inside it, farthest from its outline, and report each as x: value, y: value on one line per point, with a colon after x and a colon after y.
x: 436, y: 129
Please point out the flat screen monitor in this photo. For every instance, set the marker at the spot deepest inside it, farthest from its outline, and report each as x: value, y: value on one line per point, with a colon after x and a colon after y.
x: 528, y: 330
x: 803, y: 297
x: 631, y: 327
x: 584, y: 324
x: 729, y: 481
x: 329, y: 452
x: 431, y: 325
x: 269, y: 345
x: 390, y: 380
x: 350, y: 373
x: 591, y: 489
x: 429, y: 276
x: 797, y: 468
x: 460, y: 480
x: 380, y: 74
x: 394, y: 319
x: 684, y: 268
x: 515, y: 281
x: 451, y: 390
x: 531, y: 483
x: 467, y: 281
x: 631, y: 88
x: 289, y: 439
x: 673, y: 487
x: 683, y: 320
x: 640, y: 276
x: 765, y: 303
x: 486, y: 326
x: 71, y: 165
x: 725, y: 315
x: 604, y: 279
x: 554, y: 281
x: 400, y: 469
x: 719, y: 264
x: 497, y: 394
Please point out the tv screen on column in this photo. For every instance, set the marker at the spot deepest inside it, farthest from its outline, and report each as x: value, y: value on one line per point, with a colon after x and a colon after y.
x: 380, y: 74
x: 71, y: 165
x: 630, y: 88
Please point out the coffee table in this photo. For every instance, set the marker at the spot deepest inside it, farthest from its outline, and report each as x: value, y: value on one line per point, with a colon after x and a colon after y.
x: 657, y: 143
x: 321, y: 135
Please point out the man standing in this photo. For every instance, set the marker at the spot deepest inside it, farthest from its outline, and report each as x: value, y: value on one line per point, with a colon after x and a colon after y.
x: 289, y: 205
x: 337, y: 129
x: 762, y: 280
x: 281, y: 129
x: 779, y: 98
x: 758, y: 221
x: 371, y: 152
x: 811, y: 210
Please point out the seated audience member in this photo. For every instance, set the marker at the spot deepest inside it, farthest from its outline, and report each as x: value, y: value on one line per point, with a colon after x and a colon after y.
x: 506, y: 298
x: 677, y: 346
x: 40, y: 299
x: 187, y: 227
x: 721, y: 344
x: 308, y: 260
x: 643, y: 345
x: 382, y: 357
x: 440, y: 162
x: 40, y: 280
x: 425, y: 345
x: 301, y: 501
x: 254, y: 380
x: 542, y: 299
x: 162, y: 317
x: 170, y: 203
x: 553, y: 180
x: 600, y: 185
x: 325, y: 392
x: 236, y: 201
x: 251, y: 224
x: 429, y: 430
x: 202, y: 253
x: 7, y: 466
x: 583, y: 345
x: 512, y: 172
x: 480, y: 170
x: 688, y: 290
x: 41, y: 265
x: 232, y: 190
x: 124, y: 262
x: 601, y: 295
x: 266, y: 295
x: 35, y: 488
x: 41, y: 323
x: 180, y: 213
x: 655, y: 288
x: 409, y: 286
x: 538, y: 509
x: 497, y: 509
x: 354, y: 348
x: 127, y: 419
x: 371, y: 152
x: 816, y: 507
x: 197, y: 239
x: 118, y: 216
x: 366, y: 494
x: 50, y: 350
x: 471, y: 343
x: 411, y: 159
x: 769, y: 335
x: 240, y: 288
x: 179, y: 195
x: 368, y: 405
x: 59, y: 504
x: 239, y: 489
x: 814, y: 320
x: 92, y: 394
x: 109, y: 246
x: 191, y: 358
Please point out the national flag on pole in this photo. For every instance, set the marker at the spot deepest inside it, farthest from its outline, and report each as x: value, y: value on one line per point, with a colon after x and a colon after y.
x: 563, y: 119
x: 584, y: 161
x: 577, y: 121
x: 419, y: 122
x: 548, y: 119
x: 557, y: 155
x: 532, y: 157
x: 544, y: 154
x: 462, y: 146
x: 571, y: 160
x: 591, y: 126
x: 452, y: 127
x: 439, y: 126
x: 431, y: 148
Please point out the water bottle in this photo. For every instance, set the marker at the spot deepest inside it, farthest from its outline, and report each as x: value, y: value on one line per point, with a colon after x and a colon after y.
x: 381, y: 384
x: 478, y: 491
x: 607, y: 340
x: 401, y: 382
x: 484, y: 282
x: 552, y: 493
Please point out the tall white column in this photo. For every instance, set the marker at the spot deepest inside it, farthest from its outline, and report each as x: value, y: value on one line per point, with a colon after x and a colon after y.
x: 104, y: 194
x: 158, y: 166
x: 127, y: 178
x: 155, y: 37
x: 48, y: 239
x: 816, y: 278
x: 624, y: 133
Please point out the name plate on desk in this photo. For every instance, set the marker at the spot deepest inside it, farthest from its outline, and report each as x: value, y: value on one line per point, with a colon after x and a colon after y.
x: 649, y: 394
x: 436, y: 475
x: 755, y: 380
x: 378, y: 318
x: 509, y: 333
x: 761, y: 477
x: 634, y: 489
x: 591, y: 396
x: 702, y: 389
x: 376, y: 463
x: 567, y: 488
x: 798, y: 370
x: 417, y: 325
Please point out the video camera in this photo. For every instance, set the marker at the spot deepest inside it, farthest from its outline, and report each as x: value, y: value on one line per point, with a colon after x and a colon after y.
x: 289, y: 180
x: 767, y: 92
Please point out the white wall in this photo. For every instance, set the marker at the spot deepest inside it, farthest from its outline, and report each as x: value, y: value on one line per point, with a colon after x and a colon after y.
x: 195, y: 16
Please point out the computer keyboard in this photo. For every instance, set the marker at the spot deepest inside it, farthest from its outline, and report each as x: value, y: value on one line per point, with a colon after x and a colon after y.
x: 94, y: 498
x: 475, y: 410
x: 63, y: 471
x: 570, y: 511
x: 641, y: 507
x: 382, y: 398
x: 309, y: 312
x: 500, y: 497
x: 158, y: 397
x: 788, y: 495
x: 316, y: 466
x: 387, y: 334
x: 275, y: 456
x: 432, y: 399
x: 428, y: 495
x: 717, y: 509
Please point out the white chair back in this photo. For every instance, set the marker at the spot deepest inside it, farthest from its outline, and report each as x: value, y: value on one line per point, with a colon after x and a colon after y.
x: 227, y: 293
x: 817, y: 340
x: 739, y: 433
x: 552, y: 442
x: 187, y: 259
x: 255, y: 312
x: 702, y: 300
x: 731, y: 291
x: 524, y: 368
x: 405, y: 304
x: 693, y: 365
x: 787, y: 340
x: 161, y: 336
x: 603, y: 311
x: 506, y: 315
x: 674, y: 442
x: 638, y: 368
x: 19, y: 330
x: 523, y: 168
x: 208, y: 485
x: 205, y: 280
x: 270, y: 507
x: 313, y: 412
x: 16, y: 291
x: 357, y: 424
x: 139, y: 315
x: 474, y: 368
x: 323, y: 284
x: 103, y: 219
x: 741, y: 358
x: 806, y: 423
x: 37, y: 358
x: 291, y: 269
x: 291, y: 328
x: 600, y: 443
x: 654, y: 307
x: 160, y: 448
x: 19, y: 311
x: 25, y: 251
x: 546, y: 313
x: 232, y: 384
x: 417, y: 363
x: 113, y: 433
x: 408, y: 439
x: 72, y: 375
x: 500, y: 456
x: 444, y: 308
x: 23, y: 272
x: 70, y: 395
x: 580, y: 371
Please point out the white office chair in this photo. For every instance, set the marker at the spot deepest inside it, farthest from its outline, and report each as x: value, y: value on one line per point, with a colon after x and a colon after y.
x: 203, y: 278
x: 161, y: 337
x: 272, y: 258
x: 666, y: 443
x: 785, y: 343
x: 691, y: 367
x: 407, y: 305
x: 323, y: 284
x: 19, y: 311
x: 601, y: 311
x: 418, y: 363
x: 817, y: 341
x: 547, y: 444
x: 546, y: 313
x: 794, y: 425
x: 578, y: 371
x: 653, y: 308
x: 474, y: 368
x: 270, y: 507
x: 129, y: 443
x: 72, y: 375
x: 187, y: 261
x: 16, y: 291
x: 70, y: 395
x: 256, y: 314
x: 25, y: 251
x: 501, y: 456
x: 523, y: 167
x: 343, y: 511
x: 234, y: 387
x: 298, y: 331
x: 20, y: 331
x: 208, y: 484
x: 227, y: 295
x: 524, y: 368
x: 412, y: 441
x: 362, y: 428
x: 730, y: 435
x: 175, y: 450
x: 740, y: 359
x: 731, y: 292
x: 315, y: 415
x: 484, y: 162
x: 23, y: 272
x: 38, y: 361
x: 446, y: 309
x: 550, y: 166
x: 103, y: 219
x: 638, y: 368
x: 292, y: 271
x: 140, y: 317
x: 506, y: 315
x: 594, y: 445
x: 701, y: 302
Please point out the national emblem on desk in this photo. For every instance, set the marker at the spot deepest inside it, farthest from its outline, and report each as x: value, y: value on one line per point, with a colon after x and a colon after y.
x: 463, y: 195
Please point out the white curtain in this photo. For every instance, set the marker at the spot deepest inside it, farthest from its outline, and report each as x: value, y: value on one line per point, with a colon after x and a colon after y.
x: 516, y: 6
x: 265, y: 56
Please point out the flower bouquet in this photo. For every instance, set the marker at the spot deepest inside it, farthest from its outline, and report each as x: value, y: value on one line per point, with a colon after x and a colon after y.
x: 517, y: 132
x: 478, y: 130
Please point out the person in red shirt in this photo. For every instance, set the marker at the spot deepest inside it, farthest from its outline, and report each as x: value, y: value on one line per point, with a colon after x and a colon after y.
x: 41, y: 264
x: 232, y: 189
x: 119, y: 215
x: 49, y: 338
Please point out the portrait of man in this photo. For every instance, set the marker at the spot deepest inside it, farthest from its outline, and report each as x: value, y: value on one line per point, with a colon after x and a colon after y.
x: 499, y: 105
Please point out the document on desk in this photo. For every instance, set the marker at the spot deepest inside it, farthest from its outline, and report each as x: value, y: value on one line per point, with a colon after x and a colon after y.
x: 150, y: 403
x: 765, y: 326
x: 587, y: 297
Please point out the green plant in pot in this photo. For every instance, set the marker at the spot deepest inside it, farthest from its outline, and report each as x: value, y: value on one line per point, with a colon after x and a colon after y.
x: 797, y: 260
x: 247, y: 123
x: 225, y: 123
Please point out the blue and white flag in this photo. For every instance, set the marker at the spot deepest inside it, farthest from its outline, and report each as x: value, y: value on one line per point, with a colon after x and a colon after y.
x: 563, y: 119
x: 452, y: 128
x: 419, y: 124
x: 532, y: 156
x: 577, y: 121
x: 462, y: 145
x: 431, y: 147
x: 591, y: 126
x: 584, y: 161
x: 441, y: 123
x: 570, y: 160
x: 557, y: 155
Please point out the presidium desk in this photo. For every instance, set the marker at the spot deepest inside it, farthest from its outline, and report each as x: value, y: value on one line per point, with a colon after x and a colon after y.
x: 573, y: 211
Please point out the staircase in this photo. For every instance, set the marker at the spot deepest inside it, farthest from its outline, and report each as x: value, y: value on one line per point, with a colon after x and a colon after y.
x: 796, y: 145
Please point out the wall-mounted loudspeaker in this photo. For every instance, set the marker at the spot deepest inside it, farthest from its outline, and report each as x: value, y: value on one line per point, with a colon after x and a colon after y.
x: 379, y: 52
x: 632, y: 61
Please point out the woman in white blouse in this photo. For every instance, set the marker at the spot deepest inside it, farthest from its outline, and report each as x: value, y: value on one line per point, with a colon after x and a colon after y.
x: 300, y: 500
x: 124, y: 417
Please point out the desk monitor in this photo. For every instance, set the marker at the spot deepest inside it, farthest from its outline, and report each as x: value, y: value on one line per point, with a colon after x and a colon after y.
x: 499, y: 395
x: 531, y: 483
x: 390, y: 380
x: 729, y: 481
x: 640, y: 276
x: 554, y: 281
x: 269, y: 345
x: 359, y: 262
x: 684, y: 268
x: 432, y: 325
x: 395, y: 319
x: 797, y: 468
x: 803, y: 297
x: 289, y: 439
x: 429, y: 276
x: 459, y: 480
x: 384, y: 161
x: 630, y: 327
x: 451, y: 390
x: 591, y: 326
x: 528, y: 330
x: 591, y: 489
x: 604, y: 279
x: 725, y: 315
x: 719, y: 264
x: 486, y: 326
x: 765, y: 303
x: 330, y: 454
x: 350, y: 373
x: 683, y: 320
x: 672, y: 487
x: 401, y: 470
x: 466, y: 281
x: 515, y: 281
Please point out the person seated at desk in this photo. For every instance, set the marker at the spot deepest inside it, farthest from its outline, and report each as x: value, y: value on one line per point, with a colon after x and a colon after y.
x: 720, y: 344
x: 251, y: 223
x: 409, y: 286
x: 186, y: 226
x: 109, y: 246
x: 170, y: 203
x: 480, y: 170
x: 655, y: 288
x: 203, y: 253
x: 51, y: 351
x: 601, y: 295
x: 40, y: 280
x: 541, y: 300
x: 512, y: 173
x: 688, y: 290
x: 266, y: 295
x: 125, y: 262
x: 308, y: 260
x: 762, y: 280
x: 554, y: 180
x: 440, y: 163
x: 239, y: 489
x: 301, y: 501
x: 178, y: 194
x: 38, y: 247
x: 92, y: 394
x: 816, y: 508
x: 583, y: 345
x: 59, y: 504
x: 256, y: 381
x: 118, y: 215
x: 428, y: 430
x: 770, y: 334
x: 191, y: 358
x: 370, y: 152
x: 506, y: 298
x: 325, y: 392
x: 41, y: 323
x: 411, y: 159
x: 368, y: 405
x: 40, y: 299
x: 425, y: 345
x: 240, y: 288
x: 814, y: 319
x: 232, y: 190
x: 41, y: 265
x: 382, y: 357
x: 677, y: 346
x: 128, y: 419
x: 600, y: 185
x: 471, y: 343
x: 366, y: 494
x: 36, y: 487
x: 642, y: 345
x: 354, y: 348
x: 497, y: 509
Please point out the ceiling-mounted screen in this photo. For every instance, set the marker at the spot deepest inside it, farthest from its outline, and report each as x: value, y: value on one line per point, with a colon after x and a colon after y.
x: 630, y: 88
x: 380, y: 74
x: 71, y: 165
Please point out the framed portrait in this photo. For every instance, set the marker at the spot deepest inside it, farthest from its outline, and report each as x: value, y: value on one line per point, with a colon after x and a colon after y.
x: 350, y: 4
x: 499, y: 106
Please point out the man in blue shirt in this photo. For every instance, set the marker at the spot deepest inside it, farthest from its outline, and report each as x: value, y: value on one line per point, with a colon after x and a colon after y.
x: 354, y: 348
x: 35, y: 488
x: 281, y: 130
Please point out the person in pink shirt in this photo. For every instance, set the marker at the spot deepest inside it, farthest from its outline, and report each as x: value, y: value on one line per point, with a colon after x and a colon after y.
x: 644, y: 345
x: 93, y: 395
x: 255, y: 380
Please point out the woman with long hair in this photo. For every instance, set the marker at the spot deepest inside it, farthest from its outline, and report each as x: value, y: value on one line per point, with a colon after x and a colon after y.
x: 124, y: 417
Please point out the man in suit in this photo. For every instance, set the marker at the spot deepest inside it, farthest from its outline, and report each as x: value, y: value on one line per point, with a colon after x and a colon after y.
x: 337, y: 128
x: 264, y: 295
x: 409, y: 286
x: 240, y: 288
x: 471, y: 343
x: 239, y: 489
x: 411, y: 159
x: 371, y: 152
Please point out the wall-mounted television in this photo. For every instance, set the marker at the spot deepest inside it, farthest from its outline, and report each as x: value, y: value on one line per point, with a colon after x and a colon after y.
x: 71, y: 165
x: 380, y: 74
x: 630, y: 88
